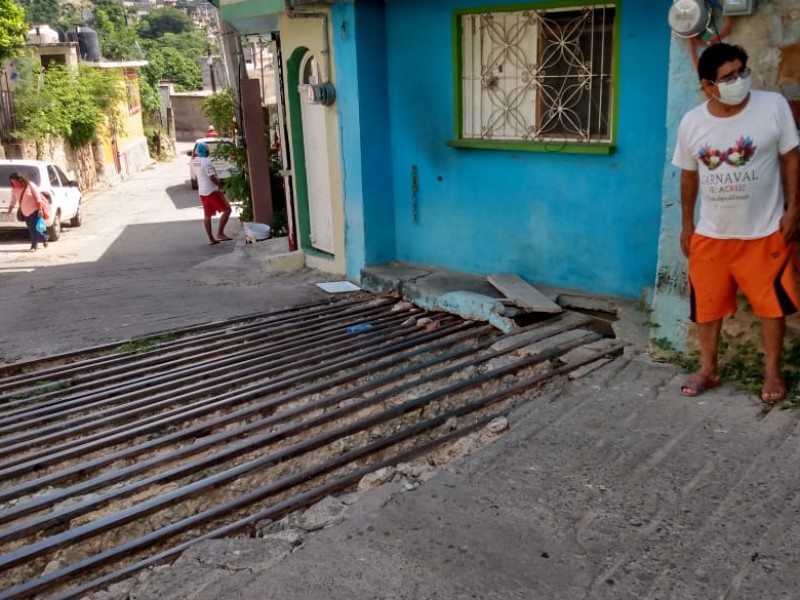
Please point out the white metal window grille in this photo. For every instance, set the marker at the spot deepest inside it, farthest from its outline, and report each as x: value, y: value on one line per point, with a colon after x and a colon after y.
x: 538, y: 75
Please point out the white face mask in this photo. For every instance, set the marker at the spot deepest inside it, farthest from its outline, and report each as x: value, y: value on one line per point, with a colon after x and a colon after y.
x: 734, y: 92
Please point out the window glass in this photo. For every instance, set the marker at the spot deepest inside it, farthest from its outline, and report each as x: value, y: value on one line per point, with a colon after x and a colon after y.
x: 62, y: 175
x: 29, y: 172
x: 538, y: 75
x: 54, y: 181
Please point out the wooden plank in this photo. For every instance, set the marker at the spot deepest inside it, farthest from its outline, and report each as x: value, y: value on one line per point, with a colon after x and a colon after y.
x: 523, y: 293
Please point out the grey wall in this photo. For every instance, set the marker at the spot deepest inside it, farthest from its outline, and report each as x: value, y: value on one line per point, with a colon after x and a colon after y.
x: 190, y: 122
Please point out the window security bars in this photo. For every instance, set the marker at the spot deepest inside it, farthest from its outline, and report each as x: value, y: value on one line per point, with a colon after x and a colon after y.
x: 538, y: 75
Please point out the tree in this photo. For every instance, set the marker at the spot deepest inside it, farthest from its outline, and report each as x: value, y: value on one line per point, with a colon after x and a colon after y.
x: 12, y: 28
x: 164, y: 20
x: 69, y: 16
x: 114, y: 11
x: 41, y: 12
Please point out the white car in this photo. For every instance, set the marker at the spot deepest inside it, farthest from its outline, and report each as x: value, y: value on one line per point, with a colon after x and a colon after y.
x: 223, y: 168
x: 65, y: 195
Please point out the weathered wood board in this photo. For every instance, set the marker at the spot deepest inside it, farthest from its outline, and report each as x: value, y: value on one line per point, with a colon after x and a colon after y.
x: 522, y: 293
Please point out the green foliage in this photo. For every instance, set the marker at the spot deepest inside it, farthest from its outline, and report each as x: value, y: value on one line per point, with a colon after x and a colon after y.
x: 688, y: 361
x: 149, y: 98
x: 12, y: 29
x: 42, y: 12
x: 73, y: 104
x: 43, y: 387
x: 162, y: 21
x: 112, y: 10
x: 175, y: 58
x: 140, y: 345
x: 69, y: 15
x: 220, y: 108
x: 119, y: 43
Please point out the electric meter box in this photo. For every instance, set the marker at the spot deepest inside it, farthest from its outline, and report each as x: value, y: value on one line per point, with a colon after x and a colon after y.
x: 689, y: 18
x: 732, y: 8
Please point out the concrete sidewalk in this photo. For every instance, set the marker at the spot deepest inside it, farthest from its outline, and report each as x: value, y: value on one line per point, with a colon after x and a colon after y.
x: 608, y: 487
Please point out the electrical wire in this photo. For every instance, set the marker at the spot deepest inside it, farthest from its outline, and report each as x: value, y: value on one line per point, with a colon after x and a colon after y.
x: 713, y: 19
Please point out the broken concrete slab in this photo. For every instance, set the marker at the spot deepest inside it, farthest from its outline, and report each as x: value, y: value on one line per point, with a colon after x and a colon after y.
x: 522, y: 293
x: 392, y: 277
x: 470, y: 306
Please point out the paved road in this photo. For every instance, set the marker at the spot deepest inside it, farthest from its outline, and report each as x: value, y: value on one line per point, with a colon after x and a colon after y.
x: 136, y: 266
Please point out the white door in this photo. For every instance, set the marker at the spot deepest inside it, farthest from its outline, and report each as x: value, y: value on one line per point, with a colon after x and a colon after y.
x: 315, y: 140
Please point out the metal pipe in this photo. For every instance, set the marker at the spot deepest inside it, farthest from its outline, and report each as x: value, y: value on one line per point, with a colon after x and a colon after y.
x: 254, y: 352
x: 166, y: 397
x: 102, y: 440
x: 153, y: 505
x: 287, y: 483
x: 84, y: 487
x: 21, y: 369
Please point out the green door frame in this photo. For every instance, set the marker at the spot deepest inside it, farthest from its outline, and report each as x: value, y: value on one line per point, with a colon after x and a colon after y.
x: 298, y: 143
x: 300, y: 176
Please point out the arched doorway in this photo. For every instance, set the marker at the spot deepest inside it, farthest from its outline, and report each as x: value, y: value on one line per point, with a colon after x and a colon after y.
x: 316, y: 154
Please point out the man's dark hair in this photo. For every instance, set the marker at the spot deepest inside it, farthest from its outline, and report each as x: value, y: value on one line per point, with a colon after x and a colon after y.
x: 717, y: 55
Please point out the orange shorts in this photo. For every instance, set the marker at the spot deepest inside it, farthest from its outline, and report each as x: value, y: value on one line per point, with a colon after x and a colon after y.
x: 761, y: 268
x: 213, y: 203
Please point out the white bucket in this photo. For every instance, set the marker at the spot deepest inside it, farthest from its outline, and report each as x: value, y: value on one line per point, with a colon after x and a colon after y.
x: 256, y: 232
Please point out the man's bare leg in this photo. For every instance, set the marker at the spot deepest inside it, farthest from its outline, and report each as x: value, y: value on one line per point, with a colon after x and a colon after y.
x: 773, y: 331
x: 207, y: 225
x: 708, y: 375
x: 223, y: 220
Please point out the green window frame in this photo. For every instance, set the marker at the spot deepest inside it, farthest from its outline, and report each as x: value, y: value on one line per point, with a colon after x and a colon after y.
x: 537, y: 77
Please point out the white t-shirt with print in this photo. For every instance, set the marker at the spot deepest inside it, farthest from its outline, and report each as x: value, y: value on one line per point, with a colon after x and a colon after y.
x: 203, y: 170
x: 738, y: 159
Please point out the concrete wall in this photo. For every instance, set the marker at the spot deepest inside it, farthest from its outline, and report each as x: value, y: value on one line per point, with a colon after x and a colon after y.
x: 771, y: 38
x: 588, y: 222
x: 190, y: 121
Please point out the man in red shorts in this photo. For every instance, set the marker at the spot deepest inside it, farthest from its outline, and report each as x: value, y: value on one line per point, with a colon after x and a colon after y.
x: 213, y: 200
x: 739, y: 149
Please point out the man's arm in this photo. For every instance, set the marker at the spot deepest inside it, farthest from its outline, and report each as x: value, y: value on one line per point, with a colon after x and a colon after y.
x: 690, y: 183
x: 790, y: 169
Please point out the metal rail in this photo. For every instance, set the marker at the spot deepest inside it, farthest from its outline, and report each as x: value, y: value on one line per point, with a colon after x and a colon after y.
x: 152, y: 505
x: 156, y: 357
x: 84, y: 487
x: 255, y: 355
x: 36, y: 369
x: 37, y: 460
x: 49, y: 580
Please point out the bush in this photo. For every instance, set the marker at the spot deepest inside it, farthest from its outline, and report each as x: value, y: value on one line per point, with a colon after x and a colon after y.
x: 69, y: 103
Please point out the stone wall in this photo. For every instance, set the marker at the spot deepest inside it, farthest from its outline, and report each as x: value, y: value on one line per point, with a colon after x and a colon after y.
x: 84, y: 164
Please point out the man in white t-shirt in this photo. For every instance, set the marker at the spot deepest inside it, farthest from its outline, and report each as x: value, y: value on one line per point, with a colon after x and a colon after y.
x: 740, y: 151
x: 211, y: 196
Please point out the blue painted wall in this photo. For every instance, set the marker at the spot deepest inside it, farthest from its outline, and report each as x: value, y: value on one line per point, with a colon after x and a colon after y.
x: 584, y: 222
x: 359, y: 46
x: 671, y: 298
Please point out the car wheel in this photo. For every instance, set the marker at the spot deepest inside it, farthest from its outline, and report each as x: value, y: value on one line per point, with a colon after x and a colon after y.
x: 193, y: 183
x: 77, y: 220
x: 54, y: 231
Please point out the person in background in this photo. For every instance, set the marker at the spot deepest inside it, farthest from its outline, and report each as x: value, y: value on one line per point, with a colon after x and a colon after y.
x: 739, y: 149
x: 26, y: 194
x: 208, y: 185
x: 211, y: 132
